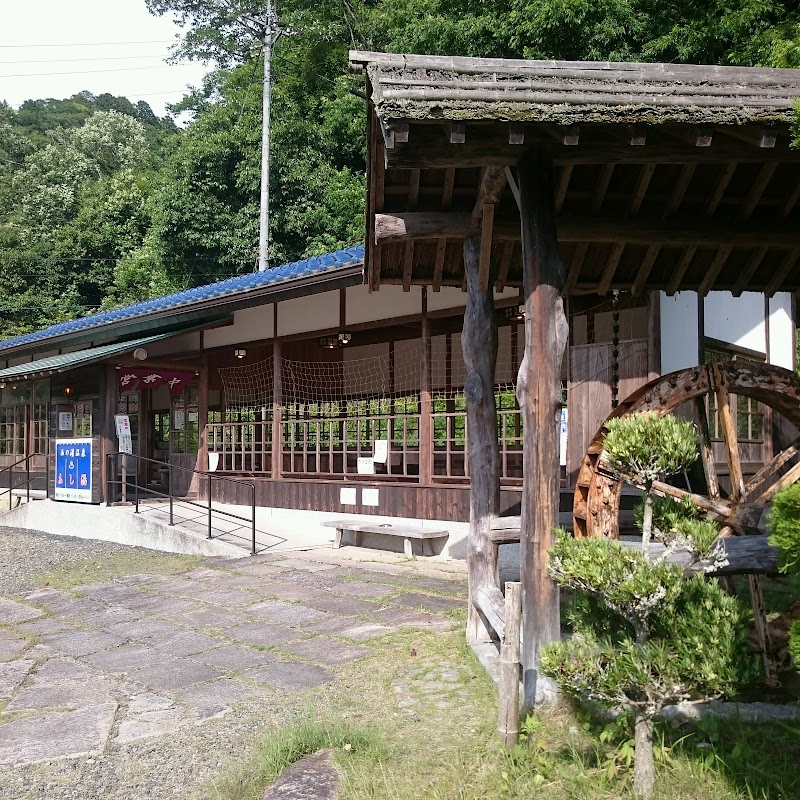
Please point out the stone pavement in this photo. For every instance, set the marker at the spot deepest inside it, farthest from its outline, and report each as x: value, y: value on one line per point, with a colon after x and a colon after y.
x: 144, y: 655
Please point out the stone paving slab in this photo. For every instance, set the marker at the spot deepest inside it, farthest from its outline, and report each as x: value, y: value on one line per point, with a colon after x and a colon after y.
x: 261, y: 634
x: 183, y: 643
x: 11, y: 648
x: 345, y: 606
x: 364, y: 589
x: 56, y: 735
x: 235, y: 658
x: 209, y: 699
x: 292, y: 676
x: 173, y: 673
x: 82, y: 643
x: 141, y: 629
x: 427, y: 602
x: 149, y: 724
x: 126, y: 658
x: 408, y: 618
x: 12, y: 612
x: 325, y: 650
x: 12, y: 673
x: 55, y: 670
x: 67, y: 694
x: 46, y: 626
x: 214, y: 617
x: 291, y: 614
x: 311, y: 778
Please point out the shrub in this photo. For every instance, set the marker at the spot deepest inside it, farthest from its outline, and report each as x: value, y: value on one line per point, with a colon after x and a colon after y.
x: 645, y: 638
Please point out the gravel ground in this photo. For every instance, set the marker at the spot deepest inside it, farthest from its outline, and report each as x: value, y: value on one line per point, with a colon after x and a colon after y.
x: 25, y: 555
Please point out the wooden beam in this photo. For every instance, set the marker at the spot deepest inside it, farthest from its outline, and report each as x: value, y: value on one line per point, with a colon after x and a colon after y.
x: 719, y: 188
x: 438, y: 264
x: 447, y: 188
x: 680, y: 269
x: 706, y: 448
x: 601, y: 187
x: 512, y: 184
x: 562, y: 186
x: 508, y: 717
x: 479, y: 347
x: 757, y: 190
x: 486, y: 247
x: 676, y: 232
x: 400, y: 131
x: 276, y: 469
x: 413, y: 189
x: 571, y: 136
x: 490, y: 191
x: 644, y: 269
x: 575, y: 265
x: 539, y: 396
x: 790, y: 203
x: 488, y: 600
x: 516, y: 134
x: 679, y: 190
x: 488, y: 146
x: 610, y: 268
x: 728, y: 426
x: 787, y: 265
x: 750, y: 269
x: 506, y: 252
x: 640, y: 191
x: 714, y: 269
x: 408, y: 264
x: 425, y: 403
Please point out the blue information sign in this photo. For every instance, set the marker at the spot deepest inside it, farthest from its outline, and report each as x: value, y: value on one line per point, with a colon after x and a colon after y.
x: 74, y: 470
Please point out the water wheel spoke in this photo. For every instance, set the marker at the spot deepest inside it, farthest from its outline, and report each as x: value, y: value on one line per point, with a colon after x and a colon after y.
x: 706, y: 450
x: 771, y: 468
x: 728, y: 427
x: 787, y: 479
x: 716, y: 506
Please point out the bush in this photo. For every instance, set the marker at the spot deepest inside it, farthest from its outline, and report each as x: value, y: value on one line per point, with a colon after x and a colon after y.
x: 645, y: 637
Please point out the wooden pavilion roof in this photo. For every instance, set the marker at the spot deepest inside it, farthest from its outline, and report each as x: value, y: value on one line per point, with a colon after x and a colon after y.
x: 667, y: 176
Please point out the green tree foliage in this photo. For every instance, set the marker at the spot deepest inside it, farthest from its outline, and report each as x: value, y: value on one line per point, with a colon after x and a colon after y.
x: 784, y: 529
x: 647, y: 447
x: 646, y: 639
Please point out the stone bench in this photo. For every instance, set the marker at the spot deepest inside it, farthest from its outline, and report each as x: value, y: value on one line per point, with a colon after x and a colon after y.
x: 405, y: 532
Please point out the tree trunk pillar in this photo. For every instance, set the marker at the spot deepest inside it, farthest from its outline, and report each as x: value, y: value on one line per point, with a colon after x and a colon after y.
x: 539, y: 397
x: 479, y: 344
x: 644, y: 770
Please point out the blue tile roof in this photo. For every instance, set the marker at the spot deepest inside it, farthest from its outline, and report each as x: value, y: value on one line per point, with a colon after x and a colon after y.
x: 241, y: 284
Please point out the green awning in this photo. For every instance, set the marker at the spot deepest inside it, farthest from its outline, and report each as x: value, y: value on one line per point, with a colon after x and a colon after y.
x: 79, y: 358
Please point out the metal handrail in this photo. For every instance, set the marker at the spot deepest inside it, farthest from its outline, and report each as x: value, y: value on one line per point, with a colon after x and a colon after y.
x: 112, y: 461
x: 9, y: 469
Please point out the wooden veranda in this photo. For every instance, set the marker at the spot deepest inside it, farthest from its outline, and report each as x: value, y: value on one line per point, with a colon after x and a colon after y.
x: 566, y: 178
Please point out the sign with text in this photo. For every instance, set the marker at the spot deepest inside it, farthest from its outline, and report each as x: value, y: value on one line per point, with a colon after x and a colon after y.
x: 65, y: 420
x: 123, y: 423
x: 73, y: 470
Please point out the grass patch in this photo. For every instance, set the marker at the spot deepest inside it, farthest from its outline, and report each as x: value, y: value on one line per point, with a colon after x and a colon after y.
x: 106, y: 568
x: 285, y: 746
x: 420, y: 716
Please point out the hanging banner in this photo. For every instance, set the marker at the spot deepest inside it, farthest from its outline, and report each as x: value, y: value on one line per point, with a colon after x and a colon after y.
x: 73, y: 477
x: 132, y: 379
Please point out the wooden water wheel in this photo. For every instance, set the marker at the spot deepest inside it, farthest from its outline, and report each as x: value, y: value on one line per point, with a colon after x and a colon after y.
x: 739, y: 509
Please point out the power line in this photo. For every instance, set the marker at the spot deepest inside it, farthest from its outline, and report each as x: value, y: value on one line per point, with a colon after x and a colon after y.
x: 83, y: 44
x: 73, y: 60
x: 83, y: 71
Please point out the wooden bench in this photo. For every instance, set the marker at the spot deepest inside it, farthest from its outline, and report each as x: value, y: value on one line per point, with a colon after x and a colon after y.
x: 406, y: 533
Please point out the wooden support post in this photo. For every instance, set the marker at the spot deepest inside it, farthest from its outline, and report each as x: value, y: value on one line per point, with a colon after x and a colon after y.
x: 508, y: 718
x: 202, y: 423
x: 479, y: 345
x: 425, y: 407
x: 277, y: 397
x: 109, y: 426
x: 539, y: 397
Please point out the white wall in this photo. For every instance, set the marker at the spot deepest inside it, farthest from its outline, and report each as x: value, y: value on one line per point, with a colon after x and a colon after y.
x: 679, y: 334
x: 312, y: 313
x: 249, y: 325
x: 781, y: 331
x: 737, y: 320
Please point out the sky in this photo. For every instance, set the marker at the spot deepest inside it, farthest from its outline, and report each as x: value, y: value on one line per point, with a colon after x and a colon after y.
x: 56, y: 48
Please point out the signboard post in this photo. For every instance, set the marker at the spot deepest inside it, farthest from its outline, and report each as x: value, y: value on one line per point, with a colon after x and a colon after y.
x: 73, y: 477
x: 123, y: 425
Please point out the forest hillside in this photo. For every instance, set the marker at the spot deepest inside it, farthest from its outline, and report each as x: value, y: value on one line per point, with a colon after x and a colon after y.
x: 102, y: 203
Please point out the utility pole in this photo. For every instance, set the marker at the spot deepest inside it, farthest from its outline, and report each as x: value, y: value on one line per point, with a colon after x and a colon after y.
x: 272, y: 32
